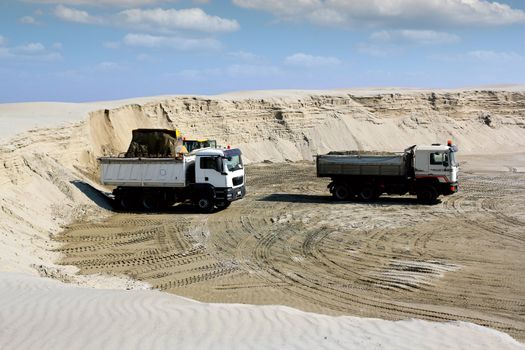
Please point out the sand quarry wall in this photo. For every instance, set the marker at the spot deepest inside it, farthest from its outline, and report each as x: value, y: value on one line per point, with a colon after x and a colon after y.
x: 298, y: 127
x: 40, y: 170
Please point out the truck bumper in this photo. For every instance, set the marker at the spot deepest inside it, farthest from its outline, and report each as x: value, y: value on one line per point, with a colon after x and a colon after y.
x: 449, y: 188
x: 230, y: 194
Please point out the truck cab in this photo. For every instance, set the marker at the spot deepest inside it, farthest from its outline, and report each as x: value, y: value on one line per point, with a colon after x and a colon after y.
x: 219, y: 173
x: 437, y: 164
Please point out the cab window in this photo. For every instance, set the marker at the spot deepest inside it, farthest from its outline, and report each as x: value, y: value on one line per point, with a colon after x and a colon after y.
x: 438, y: 158
x: 209, y: 163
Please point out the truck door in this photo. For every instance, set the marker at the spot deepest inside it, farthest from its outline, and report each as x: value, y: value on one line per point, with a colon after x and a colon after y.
x: 437, y: 162
x: 209, y: 171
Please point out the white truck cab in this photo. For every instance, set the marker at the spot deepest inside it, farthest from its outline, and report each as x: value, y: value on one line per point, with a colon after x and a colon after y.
x: 222, y: 170
x: 436, y: 161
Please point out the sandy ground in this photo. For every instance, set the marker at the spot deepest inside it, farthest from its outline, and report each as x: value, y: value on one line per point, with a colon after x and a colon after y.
x: 287, y: 243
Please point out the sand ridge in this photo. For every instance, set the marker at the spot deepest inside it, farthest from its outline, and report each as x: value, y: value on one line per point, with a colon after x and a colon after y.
x: 47, y: 314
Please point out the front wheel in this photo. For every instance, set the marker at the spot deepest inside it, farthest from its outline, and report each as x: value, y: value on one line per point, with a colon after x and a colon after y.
x: 204, y: 204
x: 427, y: 195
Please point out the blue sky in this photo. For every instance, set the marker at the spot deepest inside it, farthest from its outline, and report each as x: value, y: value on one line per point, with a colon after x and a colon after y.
x: 87, y: 50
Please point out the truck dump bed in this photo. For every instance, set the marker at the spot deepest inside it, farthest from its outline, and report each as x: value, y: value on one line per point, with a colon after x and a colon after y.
x: 148, y: 172
x: 360, y: 164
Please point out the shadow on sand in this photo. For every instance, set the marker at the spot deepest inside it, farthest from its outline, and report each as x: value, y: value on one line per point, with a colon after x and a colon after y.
x: 106, y: 201
x: 102, y: 199
x: 320, y: 199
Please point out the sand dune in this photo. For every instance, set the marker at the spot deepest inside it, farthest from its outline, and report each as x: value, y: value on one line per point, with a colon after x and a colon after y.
x: 45, y: 314
x: 45, y: 175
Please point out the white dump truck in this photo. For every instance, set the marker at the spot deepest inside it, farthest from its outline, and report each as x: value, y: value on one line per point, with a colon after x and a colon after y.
x: 426, y: 171
x: 208, y: 177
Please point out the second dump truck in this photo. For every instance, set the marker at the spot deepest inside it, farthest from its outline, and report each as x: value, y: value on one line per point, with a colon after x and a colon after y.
x: 153, y: 174
x: 424, y: 171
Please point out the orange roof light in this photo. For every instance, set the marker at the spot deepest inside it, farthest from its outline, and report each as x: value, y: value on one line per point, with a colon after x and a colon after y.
x: 449, y: 143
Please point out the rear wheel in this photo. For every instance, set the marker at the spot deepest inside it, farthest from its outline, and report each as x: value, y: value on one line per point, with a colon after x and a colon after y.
x: 368, y: 193
x: 125, y: 202
x: 149, y: 202
x: 427, y: 195
x: 341, y: 192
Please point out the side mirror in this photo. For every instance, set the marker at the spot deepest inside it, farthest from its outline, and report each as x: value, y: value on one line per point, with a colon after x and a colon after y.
x: 218, y: 164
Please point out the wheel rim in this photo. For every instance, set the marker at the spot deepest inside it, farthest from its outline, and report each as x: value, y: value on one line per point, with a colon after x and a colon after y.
x: 203, y: 203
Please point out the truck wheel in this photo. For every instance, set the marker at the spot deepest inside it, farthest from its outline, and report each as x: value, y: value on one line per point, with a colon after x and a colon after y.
x: 204, y: 204
x: 427, y: 195
x: 223, y: 204
x: 125, y: 202
x: 341, y: 192
x: 149, y: 202
x: 368, y: 193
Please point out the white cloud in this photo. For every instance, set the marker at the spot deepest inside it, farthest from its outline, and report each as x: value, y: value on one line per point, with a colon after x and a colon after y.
x: 483, y: 56
x: 494, y: 56
x: 30, y: 48
x: 109, y: 66
x: 153, y: 20
x: 120, y: 3
x: 422, y: 37
x: 171, y: 42
x: 246, y: 56
x: 27, y: 20
x: 57, y: 46
x: 74, y: 15
x: 252, y: 70
x: 235, y: 71
x: 283, y: 8
x: 394, y: 13
x: 187, y: 19
x: 375, y: 50
x: 305, y: 60
x: 29, y: 52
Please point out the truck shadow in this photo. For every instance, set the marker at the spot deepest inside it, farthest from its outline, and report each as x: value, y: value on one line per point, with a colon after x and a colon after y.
x: 105, y: 200
x: 100, y: 198
x: 320, y: 199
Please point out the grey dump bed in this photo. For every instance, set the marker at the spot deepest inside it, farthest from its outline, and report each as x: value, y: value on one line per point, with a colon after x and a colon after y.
x: 145, y: 172
x: 365, y: 163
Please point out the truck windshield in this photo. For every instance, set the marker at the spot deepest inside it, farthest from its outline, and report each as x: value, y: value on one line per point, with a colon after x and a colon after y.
x: 233, y: 159
x: 234, y: 162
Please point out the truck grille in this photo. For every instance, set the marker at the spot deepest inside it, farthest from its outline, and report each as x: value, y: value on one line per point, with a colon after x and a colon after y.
x: 238, y: 180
